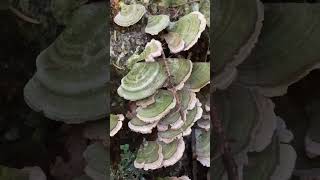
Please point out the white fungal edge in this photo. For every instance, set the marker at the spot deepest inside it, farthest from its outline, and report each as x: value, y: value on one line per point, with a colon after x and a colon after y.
x: 177, y: 155
x: 155, y: 165
x: 205, y: 161
x: 146, y: 102
x: 150, y: 57
x: 162, y: 127
x: 147, y: 129
x: 193, y: 100
x: 152, y: 31
x: 198, y: 89
x: 287, y: 159
x: 117, y: 18
x: 177, y: 49
x: 178, y: 124
x: 207, y: 107
x: 181, y: 84
x: 203, y: 125
x: 159, y: 116
x: 202, y: 27
x: 188, y: 130
x: 35, y: 173
x: 184, y: 178
x: 115, y: 130
x: 312, y: 147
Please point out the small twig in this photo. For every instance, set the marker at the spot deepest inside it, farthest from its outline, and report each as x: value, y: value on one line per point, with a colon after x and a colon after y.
x: 223, y: 147
x: 22, y: 16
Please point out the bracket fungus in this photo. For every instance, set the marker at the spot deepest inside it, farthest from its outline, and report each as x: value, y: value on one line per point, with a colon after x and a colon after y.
x: 129, y: 14
x: 137, y: 125
x: 115, y: 123
x: 172, y: 152
x: 143, y: 80
x: 70, y: 84
x: 149, y: 156
x: 171, y: 134
x: 95, y: 156
x: 180, y: 70
x: 157, y: 23
x: 203, y: 146
x: 152, y: 50
x: 199, y: 77
x: 164, y: 102
x: 188, y: 28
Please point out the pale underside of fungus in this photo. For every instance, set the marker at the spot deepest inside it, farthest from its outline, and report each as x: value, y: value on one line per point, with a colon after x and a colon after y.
x: 115, y: 123
x: 152, y: 50
x: 188, y: 28
x: 70, y: 84
x: 157, y: 23
x: 129, y: 14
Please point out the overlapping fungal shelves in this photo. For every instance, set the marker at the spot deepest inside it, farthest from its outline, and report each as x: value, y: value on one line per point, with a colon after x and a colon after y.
x: 252, y: 67
x: 70, y: 83
x: 164, y: 90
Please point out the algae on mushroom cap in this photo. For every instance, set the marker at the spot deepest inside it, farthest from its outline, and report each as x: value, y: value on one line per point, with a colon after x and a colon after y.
x: 157, y: 23
x: 143, y: 80
x: 189, y: 28
x: 164, y: 102
x: 149, y: 156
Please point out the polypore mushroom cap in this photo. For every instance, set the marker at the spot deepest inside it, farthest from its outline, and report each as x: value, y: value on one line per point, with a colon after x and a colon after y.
x: 153, y: 49
x: 203, y: 146
x: 188, y: 101
x: 139, y: 126
x: 71, y: 73
x: 95, y: 156
x: 199, y: 77
x: 287, y: 159
x: 149, y: 156
x: 189, y: 28
x: 164, y: 102
x: 172, y: 152
x: 173, y: 119
x: 146, y: 102
x: 72, y: 109
x: 129, y: 14
x: 115, y: 123
x: 204, y: 123
x: 157, y: 23
x: 143, y: 80
x: 174, y: 41
x: 172, y: 134
x: 180, y: 70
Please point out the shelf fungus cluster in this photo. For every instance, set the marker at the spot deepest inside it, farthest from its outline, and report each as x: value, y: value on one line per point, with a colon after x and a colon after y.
x: 164, y: 89
x: 70, y: 84
x: 202, y: 135
x: 166, y: 103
